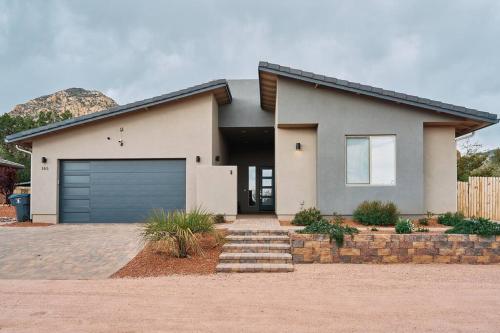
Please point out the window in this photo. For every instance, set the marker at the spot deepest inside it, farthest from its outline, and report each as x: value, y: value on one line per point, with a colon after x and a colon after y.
x: 371, y: 160
x: 252, y: 181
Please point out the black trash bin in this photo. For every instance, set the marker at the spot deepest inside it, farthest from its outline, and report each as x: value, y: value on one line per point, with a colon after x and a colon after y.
x: 22, y: 204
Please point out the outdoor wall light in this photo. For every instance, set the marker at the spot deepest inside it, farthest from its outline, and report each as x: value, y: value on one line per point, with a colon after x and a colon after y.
x: 198, y: 159
x: 298, y: 146
x: 44, y: 159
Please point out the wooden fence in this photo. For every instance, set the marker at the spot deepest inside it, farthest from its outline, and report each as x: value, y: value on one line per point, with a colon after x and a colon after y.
x: 479, y: 197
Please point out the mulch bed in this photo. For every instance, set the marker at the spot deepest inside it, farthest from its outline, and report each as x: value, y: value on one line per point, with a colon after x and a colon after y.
x: 27, y: 224
x: 432, y: 223
x: 149, y: 262
x: 7, y: 211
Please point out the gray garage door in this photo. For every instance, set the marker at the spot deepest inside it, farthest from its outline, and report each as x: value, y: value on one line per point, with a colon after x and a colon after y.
x: 120, y: 191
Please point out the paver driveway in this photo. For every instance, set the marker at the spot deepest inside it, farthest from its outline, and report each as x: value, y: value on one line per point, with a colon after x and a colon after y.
x: 73, y: 251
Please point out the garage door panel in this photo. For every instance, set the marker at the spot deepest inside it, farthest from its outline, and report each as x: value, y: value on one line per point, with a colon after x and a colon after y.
x: 120, y: 190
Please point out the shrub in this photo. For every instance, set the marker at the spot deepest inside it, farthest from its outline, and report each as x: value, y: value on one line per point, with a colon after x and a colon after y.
x: 177, y: 232
x: 423, y: 221
x: 404, y: 226
x: 334, y: 230
x: 219, y: 218
x: 450, y: 219
x: 478, y: 226
x: 376, y: 213
x: 420, y: 229
x: 307, y: 216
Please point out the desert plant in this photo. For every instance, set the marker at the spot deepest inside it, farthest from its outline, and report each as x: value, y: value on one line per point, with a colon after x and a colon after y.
x: 336, y: 231
x: 476, y: 226
x: 219, y: 218
x: 177, y: 232
x: 307, y: 216
x: 404, y: 226
x: 376, y: 213
x: 450, y: 219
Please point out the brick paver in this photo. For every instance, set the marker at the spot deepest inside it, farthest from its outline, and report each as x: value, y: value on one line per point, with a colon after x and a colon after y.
x: 76, y: 251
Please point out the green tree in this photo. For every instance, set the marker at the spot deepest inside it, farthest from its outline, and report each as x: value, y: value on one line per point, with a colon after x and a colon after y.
x: 13, y: 124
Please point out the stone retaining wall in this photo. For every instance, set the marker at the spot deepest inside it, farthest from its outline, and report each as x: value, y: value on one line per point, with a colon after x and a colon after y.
x: 396, y: 248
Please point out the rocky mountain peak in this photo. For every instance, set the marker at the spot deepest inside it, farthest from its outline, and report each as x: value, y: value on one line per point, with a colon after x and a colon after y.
x: 78, y: 101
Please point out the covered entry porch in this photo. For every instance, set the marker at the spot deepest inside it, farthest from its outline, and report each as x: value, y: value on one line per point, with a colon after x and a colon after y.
x: 251, y: 150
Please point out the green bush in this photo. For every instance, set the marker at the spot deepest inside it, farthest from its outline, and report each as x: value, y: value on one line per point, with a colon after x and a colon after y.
x: 404, y: 226
x: 423, y: 221
x: 307, y: 216
x: 176, y: 231
x: 376, y: 213
x: 336, y: 231
x: 477, y: 226
x: 450, y: 219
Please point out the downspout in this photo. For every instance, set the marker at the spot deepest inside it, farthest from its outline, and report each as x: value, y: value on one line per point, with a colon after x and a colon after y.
x: 31, y: 171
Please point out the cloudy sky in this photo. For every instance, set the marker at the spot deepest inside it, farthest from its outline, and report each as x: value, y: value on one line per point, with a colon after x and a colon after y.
x: 130, y: 50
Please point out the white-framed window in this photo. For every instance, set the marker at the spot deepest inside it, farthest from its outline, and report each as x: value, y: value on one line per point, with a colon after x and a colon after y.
x: 371, y: 160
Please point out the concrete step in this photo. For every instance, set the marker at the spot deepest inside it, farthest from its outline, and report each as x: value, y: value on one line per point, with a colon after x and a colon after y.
x: 253, y: 268
x: 256, y: 258
x: 266, y: 232
x: 270, y: 239
x: 256, y: 248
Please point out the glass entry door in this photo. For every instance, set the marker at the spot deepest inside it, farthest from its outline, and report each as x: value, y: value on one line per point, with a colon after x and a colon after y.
x: 266, y: 193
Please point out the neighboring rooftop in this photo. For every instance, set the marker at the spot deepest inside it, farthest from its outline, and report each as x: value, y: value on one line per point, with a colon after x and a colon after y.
x: 7, y: 163
x: 269, y: 71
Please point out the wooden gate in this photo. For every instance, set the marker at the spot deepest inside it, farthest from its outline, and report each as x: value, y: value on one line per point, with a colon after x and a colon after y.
x: 479, y: 197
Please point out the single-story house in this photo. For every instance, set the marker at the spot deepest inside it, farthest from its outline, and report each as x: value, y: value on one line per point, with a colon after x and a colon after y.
x: 285, y: 141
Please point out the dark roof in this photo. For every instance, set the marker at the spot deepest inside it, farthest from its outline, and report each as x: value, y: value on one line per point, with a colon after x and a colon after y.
x: 11, y: 164
x: 377, y: 92
x: 121, y: 109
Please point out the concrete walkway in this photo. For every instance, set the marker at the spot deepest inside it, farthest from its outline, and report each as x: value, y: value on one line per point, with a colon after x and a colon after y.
x: 77, y: 251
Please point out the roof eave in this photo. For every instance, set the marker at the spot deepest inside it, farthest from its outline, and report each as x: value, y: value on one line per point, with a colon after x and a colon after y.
x: 311, y: 79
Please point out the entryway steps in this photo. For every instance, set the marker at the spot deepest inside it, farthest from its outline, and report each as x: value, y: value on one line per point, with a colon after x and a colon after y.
x: 256, y: 248
x: 254, y: 268
x: 249, y: 250
x: 269, y: 239
x: 256, y: 258
x: 263, y: 232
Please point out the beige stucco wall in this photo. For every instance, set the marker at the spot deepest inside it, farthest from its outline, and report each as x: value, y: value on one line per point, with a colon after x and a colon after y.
x: 440, y: 169
x: 176, y: 130
x: 295, y: 170
x: 216, y: 189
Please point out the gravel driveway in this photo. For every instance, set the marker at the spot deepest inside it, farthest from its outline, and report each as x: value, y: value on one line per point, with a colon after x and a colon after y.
x: 73, y: 251
x: 315, y: 298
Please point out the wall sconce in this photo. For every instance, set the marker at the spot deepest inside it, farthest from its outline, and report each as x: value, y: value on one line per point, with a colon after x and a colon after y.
x: 198, y: 159
x: 44, y: 159
x: 298, y: 146
x: 217, y: 158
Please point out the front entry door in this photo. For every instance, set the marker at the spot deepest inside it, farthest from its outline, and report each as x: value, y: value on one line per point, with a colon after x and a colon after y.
x: 256, y: 193
x: 266, y: 193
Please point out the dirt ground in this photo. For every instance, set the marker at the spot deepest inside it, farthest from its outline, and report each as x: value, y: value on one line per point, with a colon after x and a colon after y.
x: 315, y: 298
x: 149, y: 262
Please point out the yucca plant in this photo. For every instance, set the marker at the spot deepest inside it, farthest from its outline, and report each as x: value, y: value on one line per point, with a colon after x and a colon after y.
x: 177, y: 232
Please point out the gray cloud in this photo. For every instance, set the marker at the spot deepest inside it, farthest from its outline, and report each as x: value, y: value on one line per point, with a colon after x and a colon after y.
x: 445, y: 50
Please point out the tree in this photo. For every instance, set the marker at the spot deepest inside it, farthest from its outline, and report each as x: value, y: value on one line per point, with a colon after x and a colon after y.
x: 8, y: 177
x: 13, y: 124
